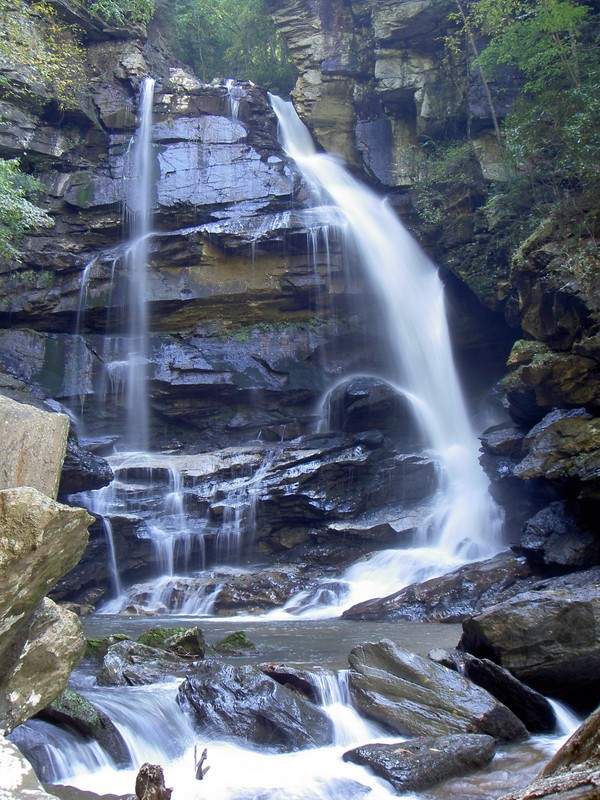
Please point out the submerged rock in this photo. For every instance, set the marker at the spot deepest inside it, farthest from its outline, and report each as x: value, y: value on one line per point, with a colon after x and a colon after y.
x: 243, y: 703
x: 416, y: 697
x: 420, y: 763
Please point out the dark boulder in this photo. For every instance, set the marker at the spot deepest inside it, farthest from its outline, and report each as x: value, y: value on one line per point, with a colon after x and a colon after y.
x: 529, y: 706
x: 451, y: 597
x: 573, y: 773
x: 76, y: 711
x: 556, y: 540
x: 243, y: 703
x: 549, y: 636
x: 364, y: 404
x: 421, y: 763
x: 82, y: 471
x: 415, y: 697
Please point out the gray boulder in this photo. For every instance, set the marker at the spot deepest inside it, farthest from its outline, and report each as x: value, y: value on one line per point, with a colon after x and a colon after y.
x: 557, y: 540
x: 415, y: 697
x: 532, y: 708
x: 451, y: 597
x: 421, y: 763
x: 130, y: 663
x: 243, y: 703
x: 549, y: 638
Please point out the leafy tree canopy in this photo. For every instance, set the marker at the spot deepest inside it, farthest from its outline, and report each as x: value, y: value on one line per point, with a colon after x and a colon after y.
x: 228, y: 39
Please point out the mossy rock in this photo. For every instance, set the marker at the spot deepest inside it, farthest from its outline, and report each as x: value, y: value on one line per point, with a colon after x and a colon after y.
x: 97, y: 648
x: 235, y: 644
x: 157, y: 637
x: 187, y: 643
x: 74, y: 710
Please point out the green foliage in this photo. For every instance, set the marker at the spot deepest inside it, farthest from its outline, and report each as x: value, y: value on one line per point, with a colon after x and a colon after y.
x: 17, y: 213
x: 447, y: 174
x: 228, y: 39
x: 123, y: 11
x: 34, y: 41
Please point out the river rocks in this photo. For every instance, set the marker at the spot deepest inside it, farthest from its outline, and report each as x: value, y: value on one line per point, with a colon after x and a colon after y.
x: 547, y: 637
x: 244, y: 703
x: 573, y: 772
x: 82, y: 471
x: 19, y: 781
x: 129, y: 663
x: 451, y: 597
x: 528, y: 705
x: 415, y: 697
x: 417, y: 764
x: 34, y: 445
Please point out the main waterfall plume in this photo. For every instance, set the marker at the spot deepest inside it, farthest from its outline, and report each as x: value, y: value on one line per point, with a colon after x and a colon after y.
x: 467, y: 522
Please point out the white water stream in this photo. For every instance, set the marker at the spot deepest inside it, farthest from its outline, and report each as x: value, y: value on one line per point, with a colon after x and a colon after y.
x: 138, y: 174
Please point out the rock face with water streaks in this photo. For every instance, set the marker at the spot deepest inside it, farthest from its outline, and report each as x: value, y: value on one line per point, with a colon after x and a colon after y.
x: 244, y: 703
x: 416, y: 697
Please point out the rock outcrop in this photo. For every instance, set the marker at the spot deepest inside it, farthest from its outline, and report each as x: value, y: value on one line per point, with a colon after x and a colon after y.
x: 19, y: 781
x: 548, y: 637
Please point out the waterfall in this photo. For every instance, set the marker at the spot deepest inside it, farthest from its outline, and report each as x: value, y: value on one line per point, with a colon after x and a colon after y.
x: 467, y: 523
x: 139, y: 202
x: 348, y: 726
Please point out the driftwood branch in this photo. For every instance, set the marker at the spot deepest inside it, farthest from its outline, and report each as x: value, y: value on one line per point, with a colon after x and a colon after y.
x: 199, y: 762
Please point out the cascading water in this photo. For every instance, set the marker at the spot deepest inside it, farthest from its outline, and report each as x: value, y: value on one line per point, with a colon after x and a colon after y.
x: 466, y: 523
x: 139, y: 202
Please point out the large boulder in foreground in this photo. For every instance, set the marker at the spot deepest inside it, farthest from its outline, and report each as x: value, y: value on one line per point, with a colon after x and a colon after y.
x: 34, y: 443
x: 243, y: 703
x: 420, y: 763
x: 53, y: 646
x: 573, y: 773
x: 40, y: 540
x: 549, y: 638
x: 416, y: 697
x: 40, y: 643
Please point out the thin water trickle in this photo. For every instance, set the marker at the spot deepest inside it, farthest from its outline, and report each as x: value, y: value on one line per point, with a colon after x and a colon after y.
x: 139, y: 203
